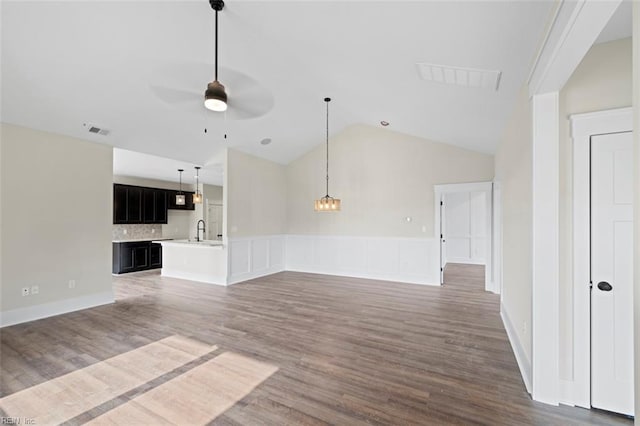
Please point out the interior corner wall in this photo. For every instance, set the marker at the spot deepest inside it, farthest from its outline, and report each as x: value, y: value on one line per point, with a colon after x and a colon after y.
x: 57, y: 216
x: 256, y: 196
x: 636, y: 190
x: 382, y: 177
x: 603, y: 80
x: 513, y: 170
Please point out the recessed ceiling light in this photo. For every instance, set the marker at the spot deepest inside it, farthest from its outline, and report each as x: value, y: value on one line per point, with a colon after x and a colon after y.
x: 265, y: 141
x: 384, y: 123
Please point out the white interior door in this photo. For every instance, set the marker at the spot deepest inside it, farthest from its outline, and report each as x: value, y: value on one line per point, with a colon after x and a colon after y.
x: 612, y: 272
x: 465, y: 227
x: 214, y: 225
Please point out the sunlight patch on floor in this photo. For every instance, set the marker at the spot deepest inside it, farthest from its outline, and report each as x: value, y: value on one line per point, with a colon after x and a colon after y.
x: 65, y: 397
x: 195, y: 397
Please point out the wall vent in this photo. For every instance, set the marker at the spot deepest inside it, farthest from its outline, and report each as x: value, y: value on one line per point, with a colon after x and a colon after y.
x: 459, y: 76
x: 96, y: 130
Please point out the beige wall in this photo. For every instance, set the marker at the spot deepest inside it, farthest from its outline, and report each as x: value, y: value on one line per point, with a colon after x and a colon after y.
x: 382, y: 177
x: 57, y: 215
x: 601, y: 81
x: 255, y: 196
x: 513, y: 171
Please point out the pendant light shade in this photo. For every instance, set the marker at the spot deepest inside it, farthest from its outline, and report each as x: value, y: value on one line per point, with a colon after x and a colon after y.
x: 180, y: 198
x: 215, y: 97
x: 197, y: 197
x: 327, y: 203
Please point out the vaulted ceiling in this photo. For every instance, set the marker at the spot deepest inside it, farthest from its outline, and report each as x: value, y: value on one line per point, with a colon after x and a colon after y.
x: 139, y: 69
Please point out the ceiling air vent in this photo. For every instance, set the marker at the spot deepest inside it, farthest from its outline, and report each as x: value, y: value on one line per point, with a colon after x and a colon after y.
x: 459, y: 76
x: 96, y: 130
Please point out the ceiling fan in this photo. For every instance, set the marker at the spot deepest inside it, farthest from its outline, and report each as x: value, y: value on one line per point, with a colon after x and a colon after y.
x: 245, y: 97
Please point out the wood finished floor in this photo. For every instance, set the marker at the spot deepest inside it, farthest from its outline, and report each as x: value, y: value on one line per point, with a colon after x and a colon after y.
x: 348, y: 351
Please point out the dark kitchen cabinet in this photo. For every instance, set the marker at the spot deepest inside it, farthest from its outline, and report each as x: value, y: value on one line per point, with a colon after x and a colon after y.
x: 127, y: 204
x: 135, y: 204
x: 155, y: 255
x: 188, y: 204
x: 154, y: 205
x: 136, y: 256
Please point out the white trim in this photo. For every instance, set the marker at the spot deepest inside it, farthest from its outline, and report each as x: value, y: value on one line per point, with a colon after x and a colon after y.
x: 546, y: 269
x: 575, y: 27
x: 524, y: 364
x: 45, y: 310
x: 583, y: 126
x: 487, y: 188
x: 497, y: 238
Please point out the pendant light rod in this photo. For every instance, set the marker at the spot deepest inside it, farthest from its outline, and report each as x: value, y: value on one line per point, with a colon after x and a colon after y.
x: 327, y: 100
x: 216, y: 5
x: 216, y: 68
x: 180, y: 171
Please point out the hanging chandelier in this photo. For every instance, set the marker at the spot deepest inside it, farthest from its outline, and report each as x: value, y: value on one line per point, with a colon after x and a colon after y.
x: 327, y: 203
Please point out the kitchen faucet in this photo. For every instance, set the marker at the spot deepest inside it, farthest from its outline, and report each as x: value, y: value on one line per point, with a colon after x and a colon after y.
x: 198, y: 229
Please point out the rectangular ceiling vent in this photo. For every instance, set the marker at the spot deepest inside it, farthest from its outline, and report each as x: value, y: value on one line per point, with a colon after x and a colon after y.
x: 459, y: 76
x: 97, y: 130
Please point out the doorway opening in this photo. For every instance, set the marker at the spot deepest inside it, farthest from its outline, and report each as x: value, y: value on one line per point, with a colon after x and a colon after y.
x: 464, y: 214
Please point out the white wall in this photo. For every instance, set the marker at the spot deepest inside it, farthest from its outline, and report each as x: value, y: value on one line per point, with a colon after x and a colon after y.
x: 513, y: 171
x: 636, y: 189
x: 382, y: 177
x: 601, y: 81
x: 56, y: 223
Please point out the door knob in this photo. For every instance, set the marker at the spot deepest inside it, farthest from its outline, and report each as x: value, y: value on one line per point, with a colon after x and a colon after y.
x: 604, y: 286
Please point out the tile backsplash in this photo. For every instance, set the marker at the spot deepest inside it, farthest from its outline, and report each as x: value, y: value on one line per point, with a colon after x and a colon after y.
x: 135, y: 232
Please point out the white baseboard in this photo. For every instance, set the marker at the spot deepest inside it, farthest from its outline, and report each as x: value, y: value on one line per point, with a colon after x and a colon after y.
x: 399, y: 278
x: 45, y: 310
x: 238, y: 278
x: 194, y: 276
x: 523, y: 361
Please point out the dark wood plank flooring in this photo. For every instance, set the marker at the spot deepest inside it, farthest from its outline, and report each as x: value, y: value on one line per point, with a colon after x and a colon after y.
x: 349, y: 351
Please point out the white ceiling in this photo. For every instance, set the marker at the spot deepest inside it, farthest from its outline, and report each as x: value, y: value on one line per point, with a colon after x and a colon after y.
x: 619, y: 26
x: 65, y: 64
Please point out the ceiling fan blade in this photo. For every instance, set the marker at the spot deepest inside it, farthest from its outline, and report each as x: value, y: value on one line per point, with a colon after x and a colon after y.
x: 174, y: 96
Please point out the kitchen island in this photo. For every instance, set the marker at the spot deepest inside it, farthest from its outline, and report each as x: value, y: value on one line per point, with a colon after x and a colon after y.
x: 204, y: 261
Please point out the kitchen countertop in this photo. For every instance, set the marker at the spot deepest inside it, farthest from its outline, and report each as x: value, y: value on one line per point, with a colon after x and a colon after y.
x: 134, y: 240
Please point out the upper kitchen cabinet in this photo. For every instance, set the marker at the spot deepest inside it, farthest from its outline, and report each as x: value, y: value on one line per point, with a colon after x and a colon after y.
x: 135, y: 204
x: 127, y: 204
x: 188, y: 205
x: 154, y: 205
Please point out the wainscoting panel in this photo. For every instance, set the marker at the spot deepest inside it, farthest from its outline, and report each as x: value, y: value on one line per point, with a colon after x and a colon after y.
x: 411, y: 260
x: 254, y: 257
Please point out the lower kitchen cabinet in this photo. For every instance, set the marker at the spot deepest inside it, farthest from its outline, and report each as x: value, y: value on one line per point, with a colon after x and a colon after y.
x: 136, y: 256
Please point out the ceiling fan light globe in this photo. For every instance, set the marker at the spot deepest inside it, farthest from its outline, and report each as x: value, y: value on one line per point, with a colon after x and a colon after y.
x: 215, y: 98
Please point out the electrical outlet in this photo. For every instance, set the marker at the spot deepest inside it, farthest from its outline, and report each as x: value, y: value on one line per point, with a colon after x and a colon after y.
x: 72, y: 283
x: 124, y: 231
x: 25, y: 291
x: 35, y: 289
x: 524, y: 327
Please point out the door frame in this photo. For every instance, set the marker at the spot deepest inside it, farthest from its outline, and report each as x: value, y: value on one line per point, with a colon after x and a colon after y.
x: 487, y: 188
x: 583, y: 126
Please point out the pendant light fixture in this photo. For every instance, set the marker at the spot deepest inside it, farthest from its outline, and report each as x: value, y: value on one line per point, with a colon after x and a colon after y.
x: 215, y: 97
x: 180, y: 198
x: 327, y: 203
x: 197, y: 197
